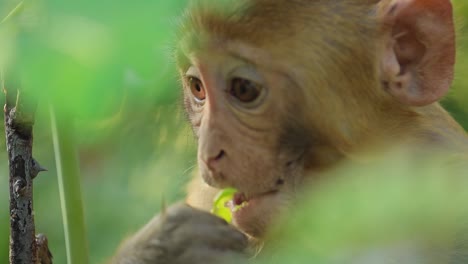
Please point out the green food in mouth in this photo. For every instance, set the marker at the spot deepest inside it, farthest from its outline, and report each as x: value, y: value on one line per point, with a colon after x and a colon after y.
x: 226, y: 202
x: 220, y: 201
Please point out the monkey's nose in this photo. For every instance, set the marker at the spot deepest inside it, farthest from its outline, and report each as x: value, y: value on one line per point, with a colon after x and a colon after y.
x: 214, y: 161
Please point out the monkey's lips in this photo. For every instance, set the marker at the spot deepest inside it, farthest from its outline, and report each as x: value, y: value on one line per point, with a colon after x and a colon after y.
x: 238, y: 201
x: 248, y: 210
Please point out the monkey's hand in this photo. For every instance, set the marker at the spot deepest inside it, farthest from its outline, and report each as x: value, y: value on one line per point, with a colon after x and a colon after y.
x: 182, y: 234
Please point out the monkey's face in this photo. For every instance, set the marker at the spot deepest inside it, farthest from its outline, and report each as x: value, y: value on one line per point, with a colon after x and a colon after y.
x: 235, y: 107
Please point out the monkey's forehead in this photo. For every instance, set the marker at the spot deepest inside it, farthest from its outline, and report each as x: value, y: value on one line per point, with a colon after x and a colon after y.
x: 268, y: 22
x: 296, y: 40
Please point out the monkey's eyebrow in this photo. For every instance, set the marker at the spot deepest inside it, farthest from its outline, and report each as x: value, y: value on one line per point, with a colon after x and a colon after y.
x: 192, y: 71
x: 248, y: 53
x: 257, y: 56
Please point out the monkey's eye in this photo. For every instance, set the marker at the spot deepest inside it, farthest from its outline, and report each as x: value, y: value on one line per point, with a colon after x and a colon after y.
x: 197, y: 89
x: 244, y: 90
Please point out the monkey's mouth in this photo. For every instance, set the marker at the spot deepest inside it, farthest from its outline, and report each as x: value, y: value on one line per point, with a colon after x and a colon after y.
x: 252, y: 214
x: 240, y: 201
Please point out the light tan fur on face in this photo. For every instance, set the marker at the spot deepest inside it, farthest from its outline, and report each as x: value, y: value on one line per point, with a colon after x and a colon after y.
x: 333, y: 74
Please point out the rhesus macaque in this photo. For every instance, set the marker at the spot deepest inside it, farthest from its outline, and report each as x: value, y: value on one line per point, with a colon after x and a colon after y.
x: 279, y: 91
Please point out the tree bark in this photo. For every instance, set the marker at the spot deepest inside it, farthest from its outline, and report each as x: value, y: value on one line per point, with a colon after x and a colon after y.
x: 19, y: 120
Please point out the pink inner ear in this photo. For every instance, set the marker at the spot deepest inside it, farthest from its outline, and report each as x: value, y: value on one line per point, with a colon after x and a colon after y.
x: 424, y: 47
x: 408, y: 48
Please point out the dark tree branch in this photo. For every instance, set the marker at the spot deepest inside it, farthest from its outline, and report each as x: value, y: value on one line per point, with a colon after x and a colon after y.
x: 19, y: 120
x: 18, y: 130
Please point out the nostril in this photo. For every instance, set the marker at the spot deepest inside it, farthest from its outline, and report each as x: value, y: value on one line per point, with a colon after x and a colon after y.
x: 220, y: 155
x: 212, y: 161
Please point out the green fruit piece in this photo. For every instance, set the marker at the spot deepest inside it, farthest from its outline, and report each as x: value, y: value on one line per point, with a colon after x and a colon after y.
x: 219, y: 204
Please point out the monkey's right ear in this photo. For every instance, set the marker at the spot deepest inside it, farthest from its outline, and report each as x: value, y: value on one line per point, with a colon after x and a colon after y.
x: 418, y: 52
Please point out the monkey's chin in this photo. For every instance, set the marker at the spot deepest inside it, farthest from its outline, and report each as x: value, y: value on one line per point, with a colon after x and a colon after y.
x: 253, y: 215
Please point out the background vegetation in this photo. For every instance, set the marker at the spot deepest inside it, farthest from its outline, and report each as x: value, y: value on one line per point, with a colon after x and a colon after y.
x: 110, y: 65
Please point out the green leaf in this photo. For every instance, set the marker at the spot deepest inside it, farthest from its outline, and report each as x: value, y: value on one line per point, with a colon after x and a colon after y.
x: 219, y: 204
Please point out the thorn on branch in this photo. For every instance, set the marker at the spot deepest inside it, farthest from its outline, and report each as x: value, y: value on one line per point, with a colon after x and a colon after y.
x: 43, y: 253
x: 36, y: 168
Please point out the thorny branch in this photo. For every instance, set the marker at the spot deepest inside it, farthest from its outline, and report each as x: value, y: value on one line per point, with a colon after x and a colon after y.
x: 19, y: 112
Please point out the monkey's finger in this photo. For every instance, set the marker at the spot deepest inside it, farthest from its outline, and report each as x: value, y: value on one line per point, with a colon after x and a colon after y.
x: 182, y: 212
x: 216, y: 237
x: 202, y: 254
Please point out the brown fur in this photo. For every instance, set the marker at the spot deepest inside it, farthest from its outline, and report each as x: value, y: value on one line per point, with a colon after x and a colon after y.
x: 335, y: 76
x: 342, y: 79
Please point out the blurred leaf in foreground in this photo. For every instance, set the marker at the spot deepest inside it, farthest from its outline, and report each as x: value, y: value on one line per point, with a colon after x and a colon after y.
x: 398, y: 209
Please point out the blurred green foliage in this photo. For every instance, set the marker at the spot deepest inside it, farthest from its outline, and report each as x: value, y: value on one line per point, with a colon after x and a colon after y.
x: 457, y: 101
x: 110, y: 64
x: 406, y: 213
